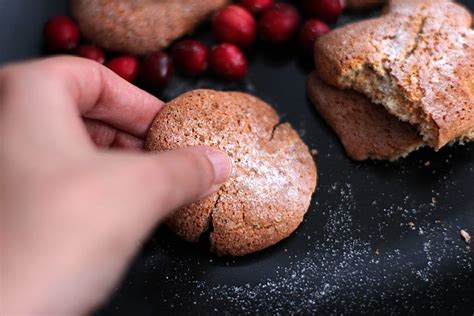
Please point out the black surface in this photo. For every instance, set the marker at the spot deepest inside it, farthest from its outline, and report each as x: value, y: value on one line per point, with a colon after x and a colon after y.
x: 378, y: 238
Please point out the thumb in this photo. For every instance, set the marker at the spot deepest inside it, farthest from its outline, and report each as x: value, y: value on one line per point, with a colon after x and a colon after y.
x: 183, y: 176
x: 112, y: 205
x: 140, y: 190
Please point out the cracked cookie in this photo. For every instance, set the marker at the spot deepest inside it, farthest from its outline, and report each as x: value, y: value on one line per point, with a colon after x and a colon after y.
x: 366, y: 130
x: 273, y: 179
x: 140, y: 26
x: 417, y: 61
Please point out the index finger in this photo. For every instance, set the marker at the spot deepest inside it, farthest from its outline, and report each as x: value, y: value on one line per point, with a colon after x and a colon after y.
x: 98, y: 92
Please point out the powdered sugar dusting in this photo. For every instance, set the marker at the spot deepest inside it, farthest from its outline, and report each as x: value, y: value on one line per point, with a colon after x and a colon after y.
x: 349, y: 270
x: 266, y: 177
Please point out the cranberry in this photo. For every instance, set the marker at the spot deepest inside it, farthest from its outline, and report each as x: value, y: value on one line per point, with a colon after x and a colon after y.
x: 311, y: 30
x: 191, y: 56
x: 91, y: 52
x: 61, y: 34
x: 256, y: 6
x: 236, y: 25
x: 156, y: 70
x: 228, y: 62
x: 328, y: 10
x: 279, y: 22
x: 125, y: 66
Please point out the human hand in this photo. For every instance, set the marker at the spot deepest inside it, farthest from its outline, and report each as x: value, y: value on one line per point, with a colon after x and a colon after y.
x: 72, y: 213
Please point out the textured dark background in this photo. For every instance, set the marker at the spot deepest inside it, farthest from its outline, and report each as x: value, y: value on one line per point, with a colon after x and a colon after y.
x: 378, y: 238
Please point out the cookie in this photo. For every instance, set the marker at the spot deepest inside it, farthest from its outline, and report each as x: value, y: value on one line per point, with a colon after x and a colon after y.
x: 366, y: 130
x: 363, y: 4
x: 273, y: 179
x: 417, y: 61
x: 140, y: 26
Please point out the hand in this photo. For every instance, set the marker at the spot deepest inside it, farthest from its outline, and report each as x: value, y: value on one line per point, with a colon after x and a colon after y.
x: 73, y: 215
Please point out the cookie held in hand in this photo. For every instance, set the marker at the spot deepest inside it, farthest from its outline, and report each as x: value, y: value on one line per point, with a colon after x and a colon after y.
x: 417, y: 61
x: 140, y: 27
x: 273, y: 179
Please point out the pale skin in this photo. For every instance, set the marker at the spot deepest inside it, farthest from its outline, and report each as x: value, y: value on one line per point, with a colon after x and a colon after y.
x: 78, y: 194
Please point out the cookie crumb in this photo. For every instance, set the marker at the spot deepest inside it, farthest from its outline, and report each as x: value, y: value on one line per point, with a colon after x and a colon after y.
x: 377, y: 252
x: 314, y: 152
x: 466, y: 236
x: 412, y: 225
x: 428, y: 163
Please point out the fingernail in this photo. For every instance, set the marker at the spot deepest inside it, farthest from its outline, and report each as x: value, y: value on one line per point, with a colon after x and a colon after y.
x: 222, y: 165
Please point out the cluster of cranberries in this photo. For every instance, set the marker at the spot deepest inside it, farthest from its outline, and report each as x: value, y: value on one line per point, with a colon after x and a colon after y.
x: 235, y: 27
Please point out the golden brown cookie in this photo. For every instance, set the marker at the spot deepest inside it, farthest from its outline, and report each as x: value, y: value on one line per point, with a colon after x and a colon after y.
x: 140, y: 26
x: 366, y: 130
x: 417, y: 61
x: 273, y: 179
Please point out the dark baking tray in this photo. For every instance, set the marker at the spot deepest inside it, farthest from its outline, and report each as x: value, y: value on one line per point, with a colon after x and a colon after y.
x: 379, y: 237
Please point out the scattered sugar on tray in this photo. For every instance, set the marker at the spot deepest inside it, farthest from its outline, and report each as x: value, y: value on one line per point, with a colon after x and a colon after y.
x: 350, y: 264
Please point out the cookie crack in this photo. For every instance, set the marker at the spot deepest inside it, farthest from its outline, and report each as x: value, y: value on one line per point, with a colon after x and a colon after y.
x: 210, y: 225
x: 206, y: 234
x: 272, y: 134
x: 418, y: 37
x: 211, y: 215
x: 219, y: 196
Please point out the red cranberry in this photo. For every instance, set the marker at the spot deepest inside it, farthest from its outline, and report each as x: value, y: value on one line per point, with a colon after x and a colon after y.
x: 311, y: 30
x: 228, y: 62
x: 191, y: 56
x: 328, y: 10
x: 279, y: 22
x: 156, y: 70
x: 125, y: 66
x: 91, y: 52
x: 236, y: 25
x: 61, y: 34
x: 256, y: 6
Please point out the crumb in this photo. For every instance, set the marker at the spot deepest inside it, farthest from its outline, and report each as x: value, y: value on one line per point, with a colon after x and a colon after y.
x: 428, y: 163
x: 466, y: 236
x: 433, y: 201
x: 314, y: 152
x: 438, y: 221
x: 412, y: 225
x: 377, y: 252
